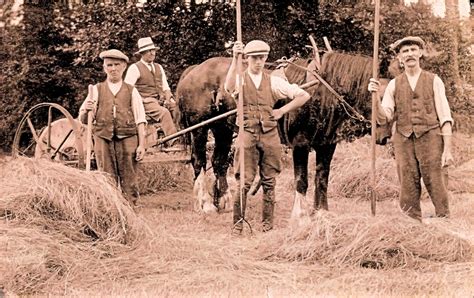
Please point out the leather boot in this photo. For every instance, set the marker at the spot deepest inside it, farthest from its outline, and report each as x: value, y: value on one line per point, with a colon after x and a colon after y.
x: 267, y: 211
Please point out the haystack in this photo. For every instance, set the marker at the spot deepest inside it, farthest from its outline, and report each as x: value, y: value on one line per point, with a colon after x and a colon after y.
x: 81, y: 205
x: 57, y: 222
x: 357, y: 240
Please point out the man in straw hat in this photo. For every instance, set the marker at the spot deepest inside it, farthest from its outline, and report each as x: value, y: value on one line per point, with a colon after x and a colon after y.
x: 118, y: 125
x: 150, y: 80
x: 416, y: 100
x: 261, y: 140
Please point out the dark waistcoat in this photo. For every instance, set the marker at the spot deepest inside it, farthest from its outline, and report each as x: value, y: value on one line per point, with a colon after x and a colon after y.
x: 415, y: 111
x: 149, y: 84
x: 114, y: 116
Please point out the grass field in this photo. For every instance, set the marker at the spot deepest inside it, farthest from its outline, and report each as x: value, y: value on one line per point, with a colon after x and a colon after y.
x: 176, y: 252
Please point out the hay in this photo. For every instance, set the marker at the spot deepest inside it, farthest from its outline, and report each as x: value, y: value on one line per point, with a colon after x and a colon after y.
x: 351, y: 172
x: 83, y: 206
x: 60, y: 224
x: 387, y: 242
x: 154, y: 177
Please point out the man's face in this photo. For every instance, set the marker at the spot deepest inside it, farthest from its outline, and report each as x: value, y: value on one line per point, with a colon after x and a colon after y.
x: 114, y: 69
x: 256, y: 63
x: 149, y: 56
x: 410, y: 55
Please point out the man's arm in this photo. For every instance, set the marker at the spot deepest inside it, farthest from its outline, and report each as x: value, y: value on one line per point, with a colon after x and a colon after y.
x: 230, y: 79
x: 89, y: 104
x: 140, y: 119
x: 133, y: 74
x: 446, y: 121
x: 283, y: 89
x: 386, y: 108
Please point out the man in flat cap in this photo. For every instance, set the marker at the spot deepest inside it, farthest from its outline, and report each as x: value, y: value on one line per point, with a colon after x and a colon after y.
x: 261, y: 141
x: 118, y: 125
x: 150, y: 80
x: 416, y: 100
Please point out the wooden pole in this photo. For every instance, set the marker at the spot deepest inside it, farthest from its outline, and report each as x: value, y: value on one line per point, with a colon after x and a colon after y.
x: 375, y: 98
x: 240, y: 110
x: 89, y: 133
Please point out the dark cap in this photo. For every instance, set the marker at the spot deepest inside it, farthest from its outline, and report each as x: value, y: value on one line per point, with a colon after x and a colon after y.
x: 407, y: 40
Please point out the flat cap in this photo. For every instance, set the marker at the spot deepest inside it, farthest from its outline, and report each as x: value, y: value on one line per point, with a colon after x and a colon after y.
x: 256, y: 47
x: 115, y: 54
x: 407, y: 40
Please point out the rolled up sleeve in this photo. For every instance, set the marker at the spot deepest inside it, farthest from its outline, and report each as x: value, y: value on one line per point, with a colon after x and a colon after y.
x: 282, y: 89
x: 137, y: 107
x: 441, y: 102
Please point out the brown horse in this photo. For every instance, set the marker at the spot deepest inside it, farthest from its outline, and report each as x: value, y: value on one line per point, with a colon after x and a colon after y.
x: 327, y: 119
x: 200, y: 95
x: 320, y: 124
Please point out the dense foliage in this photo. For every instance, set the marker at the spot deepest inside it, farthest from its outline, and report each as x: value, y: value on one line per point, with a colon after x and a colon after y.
x: 53, y: 54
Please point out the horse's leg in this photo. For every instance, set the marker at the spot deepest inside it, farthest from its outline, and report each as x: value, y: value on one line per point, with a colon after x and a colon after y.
x: 220, y: 159
x: 324, y: 154
x: 198, y: 155
x: 300, y: 170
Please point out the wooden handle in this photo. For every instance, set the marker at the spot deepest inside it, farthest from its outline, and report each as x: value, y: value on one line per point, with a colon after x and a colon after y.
x: 89, y: 132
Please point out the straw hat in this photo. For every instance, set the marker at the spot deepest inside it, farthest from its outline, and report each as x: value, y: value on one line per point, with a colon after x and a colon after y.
x: 407, y: 40
x: 145, y: 44
x: 256, y: 47
x: 115, y: 54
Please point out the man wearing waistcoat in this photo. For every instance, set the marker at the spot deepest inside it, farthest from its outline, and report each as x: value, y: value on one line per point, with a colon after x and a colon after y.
x: 261, y: 141
x: 118, y: 125
x: 416, y: 100
x: 150, y: 80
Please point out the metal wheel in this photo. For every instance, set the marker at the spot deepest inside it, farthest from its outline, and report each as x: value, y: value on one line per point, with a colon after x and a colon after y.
x: 60, y: 137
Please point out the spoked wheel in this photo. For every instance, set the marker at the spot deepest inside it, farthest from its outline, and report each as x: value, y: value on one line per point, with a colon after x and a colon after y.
x: 48, y: 131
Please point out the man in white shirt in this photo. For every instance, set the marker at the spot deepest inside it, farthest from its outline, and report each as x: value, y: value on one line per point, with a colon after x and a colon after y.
x: 118, y: 125
x: 416, y: 100
x: 150, y: 80
x: 261, y: 141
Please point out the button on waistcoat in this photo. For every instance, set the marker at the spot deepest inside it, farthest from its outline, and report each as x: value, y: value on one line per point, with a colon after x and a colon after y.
x: 114, y: 116
x: 149, y: 84
x: 415, y: 111
x: 258, y: 103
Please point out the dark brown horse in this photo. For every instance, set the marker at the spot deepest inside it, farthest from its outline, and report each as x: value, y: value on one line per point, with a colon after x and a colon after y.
x: 320, y: 124
x: 327, y: 119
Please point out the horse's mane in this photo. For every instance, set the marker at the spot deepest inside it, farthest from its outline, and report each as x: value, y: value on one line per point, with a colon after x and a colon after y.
x: 348, y: 74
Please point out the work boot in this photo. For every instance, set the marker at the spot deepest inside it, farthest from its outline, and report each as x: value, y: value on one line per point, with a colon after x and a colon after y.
x: 267, y: 211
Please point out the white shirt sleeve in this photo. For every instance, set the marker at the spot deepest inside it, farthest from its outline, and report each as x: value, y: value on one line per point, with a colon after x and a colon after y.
x: 164, y: 79
x: 441, y: 102
x: 133, y: 74
x: 95, y: 96
x: 282, y: 89
x: 137, y: 107
x: 388, y: 100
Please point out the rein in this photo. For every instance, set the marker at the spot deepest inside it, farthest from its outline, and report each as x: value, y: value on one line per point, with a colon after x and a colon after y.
x: 345, y: 105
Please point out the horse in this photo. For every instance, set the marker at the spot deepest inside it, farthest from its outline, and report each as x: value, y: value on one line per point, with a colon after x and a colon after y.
x: 320, y: 124
x: 328, y: 118
x: 200, y: 96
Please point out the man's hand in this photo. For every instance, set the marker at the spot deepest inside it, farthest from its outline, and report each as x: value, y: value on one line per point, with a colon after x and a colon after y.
x: 447, y: 158
x: 277, y: 114
x: 374, y: 85
x: 89, y: 105
x: 140, y: 153
x: 238, y: 48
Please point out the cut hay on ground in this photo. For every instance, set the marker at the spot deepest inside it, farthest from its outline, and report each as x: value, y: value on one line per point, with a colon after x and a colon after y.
x: 53, y: 196
x: 60, y: 224
x: 386, y: 242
